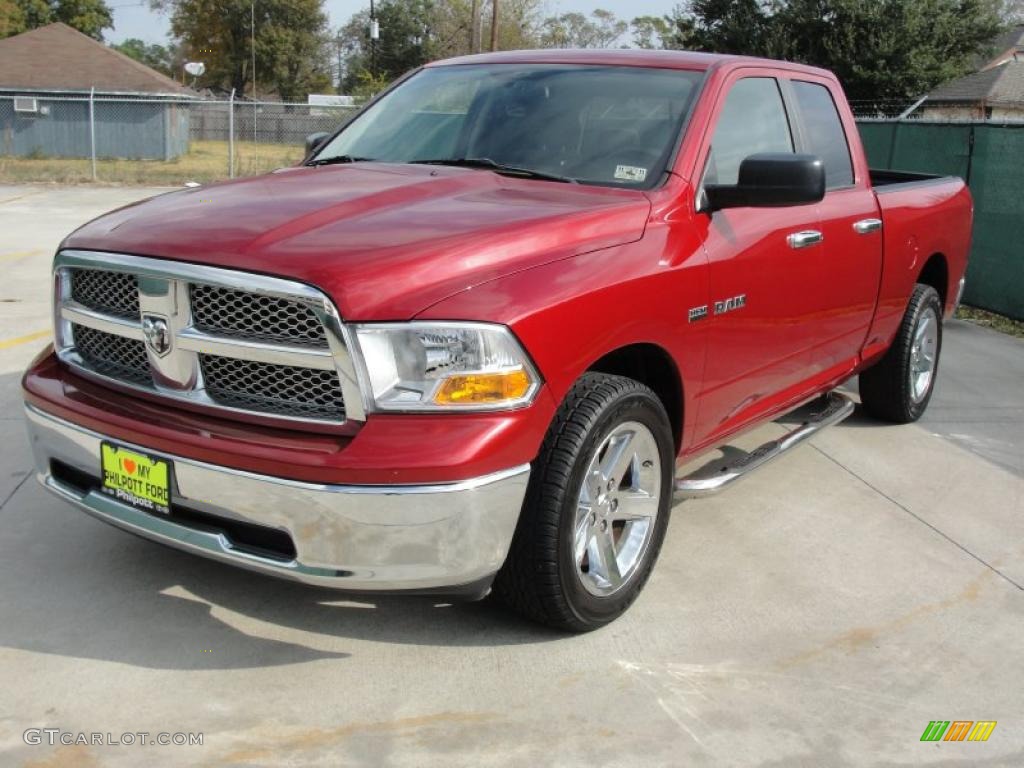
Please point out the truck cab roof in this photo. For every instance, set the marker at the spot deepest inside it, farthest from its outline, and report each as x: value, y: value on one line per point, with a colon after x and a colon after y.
x: 632, y: 57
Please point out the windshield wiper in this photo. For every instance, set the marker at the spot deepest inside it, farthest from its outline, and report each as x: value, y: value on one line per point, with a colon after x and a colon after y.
x: 491, y: 165
x: 340, y: 159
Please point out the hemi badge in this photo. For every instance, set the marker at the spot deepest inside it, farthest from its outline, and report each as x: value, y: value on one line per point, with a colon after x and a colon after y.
x: 698, y: 313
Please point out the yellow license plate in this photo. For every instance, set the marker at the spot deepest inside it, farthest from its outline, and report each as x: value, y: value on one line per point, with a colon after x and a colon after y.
x: 135, y: 478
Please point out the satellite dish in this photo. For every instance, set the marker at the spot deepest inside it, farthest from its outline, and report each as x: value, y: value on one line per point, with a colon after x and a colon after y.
x: 195, y: 68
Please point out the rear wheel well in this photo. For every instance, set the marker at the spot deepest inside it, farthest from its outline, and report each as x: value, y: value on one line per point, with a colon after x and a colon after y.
x: 652, y: 366
x: 936, y: 274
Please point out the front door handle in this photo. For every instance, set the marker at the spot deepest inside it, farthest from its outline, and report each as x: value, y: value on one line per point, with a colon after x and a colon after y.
x: 866, y: 226
x: 805, y: 239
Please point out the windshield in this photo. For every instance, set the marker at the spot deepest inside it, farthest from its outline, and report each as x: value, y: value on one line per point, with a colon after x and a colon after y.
x: 592, y: 124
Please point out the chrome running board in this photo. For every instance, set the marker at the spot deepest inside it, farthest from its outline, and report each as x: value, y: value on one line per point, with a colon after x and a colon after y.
x: 716, y: 475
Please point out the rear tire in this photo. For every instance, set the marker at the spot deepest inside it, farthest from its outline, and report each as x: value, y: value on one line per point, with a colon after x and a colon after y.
x: 899, y: 387
x: 596, y: 508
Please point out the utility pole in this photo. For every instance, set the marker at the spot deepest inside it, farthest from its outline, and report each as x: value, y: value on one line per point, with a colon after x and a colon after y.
x: 338, y: 41
x: 255, y: 108
x: 252, y: 44
x: 474, y: 28
x: 494, y: 25
x: 374, y: 34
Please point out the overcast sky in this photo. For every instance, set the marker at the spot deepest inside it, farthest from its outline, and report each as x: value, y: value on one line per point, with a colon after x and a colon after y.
x: 135, y: 19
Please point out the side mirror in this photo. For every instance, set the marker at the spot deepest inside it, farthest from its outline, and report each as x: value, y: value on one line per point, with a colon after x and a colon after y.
x: 770, y: 180
x: 314, y: 140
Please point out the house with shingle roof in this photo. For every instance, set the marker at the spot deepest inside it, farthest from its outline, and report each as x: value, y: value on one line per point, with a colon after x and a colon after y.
x: 994, y: 92
x: 53, y: 77
x: 1008, y: 45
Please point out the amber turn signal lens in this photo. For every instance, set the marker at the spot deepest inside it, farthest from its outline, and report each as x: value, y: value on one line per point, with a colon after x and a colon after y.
x: 474, y: 388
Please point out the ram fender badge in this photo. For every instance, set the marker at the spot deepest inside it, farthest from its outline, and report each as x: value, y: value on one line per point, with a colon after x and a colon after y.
x: 728, y: 305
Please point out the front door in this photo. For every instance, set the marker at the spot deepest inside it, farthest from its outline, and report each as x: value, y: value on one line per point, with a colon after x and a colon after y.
x: 763, y: 269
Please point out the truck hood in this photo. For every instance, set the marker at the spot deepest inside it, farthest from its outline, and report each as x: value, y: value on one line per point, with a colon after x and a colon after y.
x: 384, y: 241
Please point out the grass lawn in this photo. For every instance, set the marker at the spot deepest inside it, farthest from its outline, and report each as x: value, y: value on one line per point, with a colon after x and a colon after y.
x: 991, y: 320
x: 205, y: 161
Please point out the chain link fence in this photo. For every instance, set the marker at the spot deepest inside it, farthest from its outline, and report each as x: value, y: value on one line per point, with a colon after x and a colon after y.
x: 170, y: 142
x: 923, y: 109
x: 154, y: 141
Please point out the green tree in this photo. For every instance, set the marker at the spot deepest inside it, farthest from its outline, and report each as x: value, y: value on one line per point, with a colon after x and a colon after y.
x: 574, y: 30
x: 519, y: 24
x: 722, y: 26
x: 88, y: 16
x: 650, y: 31
x: 408, y: 39
x: 297, y: 47
x: 12, y: 18
x: 217, y: 33
x: 365, y: 86
x: 885, y: 52
x: 888, y: 51
x: 162, y: 58
x: 292, y: 54
x: 413, y: 32
x: 1013, y: 11
x: 37, y: 13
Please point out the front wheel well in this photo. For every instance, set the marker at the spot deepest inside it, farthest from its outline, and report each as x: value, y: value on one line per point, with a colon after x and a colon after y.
x: 652, y: 366
x: 936, y: 274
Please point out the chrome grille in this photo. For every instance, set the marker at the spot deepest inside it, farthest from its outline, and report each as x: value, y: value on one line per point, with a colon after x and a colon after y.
x: 229, y: 341
x: 116, y: 293
x: 270, y: 388
x: 254, y: 316
x: 112, y: 355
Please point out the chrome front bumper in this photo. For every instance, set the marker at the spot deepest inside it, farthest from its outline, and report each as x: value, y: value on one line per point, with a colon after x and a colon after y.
x: 433, y: 538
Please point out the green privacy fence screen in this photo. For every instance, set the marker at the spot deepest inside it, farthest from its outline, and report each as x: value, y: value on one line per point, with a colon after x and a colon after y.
x: 990, y: 156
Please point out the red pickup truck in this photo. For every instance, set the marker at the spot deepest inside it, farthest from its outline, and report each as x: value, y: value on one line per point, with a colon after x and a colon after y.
x: 467, y: 342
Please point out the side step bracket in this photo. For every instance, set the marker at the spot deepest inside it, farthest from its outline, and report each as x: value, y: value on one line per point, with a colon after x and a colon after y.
x: 717, y: 475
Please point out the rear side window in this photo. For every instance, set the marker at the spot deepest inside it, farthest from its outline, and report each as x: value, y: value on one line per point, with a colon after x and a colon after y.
x: 753, y: 120
x: 824, y: 132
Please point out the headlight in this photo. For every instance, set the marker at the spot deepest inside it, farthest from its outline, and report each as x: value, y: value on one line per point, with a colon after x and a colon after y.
x: 444, y: 366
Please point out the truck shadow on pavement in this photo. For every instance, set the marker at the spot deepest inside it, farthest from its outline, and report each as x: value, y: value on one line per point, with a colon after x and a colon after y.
x: 74, y: 586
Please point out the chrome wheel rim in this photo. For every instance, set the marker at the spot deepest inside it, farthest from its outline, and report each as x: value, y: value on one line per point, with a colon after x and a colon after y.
x: 924, y: 354
x: 616, y: 509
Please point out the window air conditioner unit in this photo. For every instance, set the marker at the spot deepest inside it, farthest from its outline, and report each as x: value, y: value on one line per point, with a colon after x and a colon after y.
x: 26, y: 105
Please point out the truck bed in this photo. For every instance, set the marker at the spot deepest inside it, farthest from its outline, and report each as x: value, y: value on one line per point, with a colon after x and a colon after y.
x: 923, y: 215
x: 886, y: 180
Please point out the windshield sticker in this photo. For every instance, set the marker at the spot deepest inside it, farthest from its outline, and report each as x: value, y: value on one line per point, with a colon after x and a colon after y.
x: 630, y: 173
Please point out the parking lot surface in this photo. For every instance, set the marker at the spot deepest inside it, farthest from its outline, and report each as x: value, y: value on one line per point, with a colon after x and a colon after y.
x: 821, y: 613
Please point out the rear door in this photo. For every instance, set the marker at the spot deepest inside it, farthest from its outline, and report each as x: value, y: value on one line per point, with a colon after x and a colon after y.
x: 850, y: 260
x: 763, y: 284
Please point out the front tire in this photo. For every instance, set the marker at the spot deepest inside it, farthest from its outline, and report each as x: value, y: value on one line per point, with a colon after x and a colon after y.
x: 899, y: 387
x: 596, y: 509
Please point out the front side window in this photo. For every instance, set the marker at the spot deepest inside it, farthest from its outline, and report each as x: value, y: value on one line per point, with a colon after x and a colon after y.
x: 614, y: 126
x: 824, y: 132
x: 753, y: 120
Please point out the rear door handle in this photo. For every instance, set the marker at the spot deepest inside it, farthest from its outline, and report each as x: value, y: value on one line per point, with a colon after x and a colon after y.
x: 866, y: 226
x: 805, y: 239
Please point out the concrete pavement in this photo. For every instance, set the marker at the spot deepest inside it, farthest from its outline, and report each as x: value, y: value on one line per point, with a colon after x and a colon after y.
x: 978, y: 402
x: 819, y: 614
